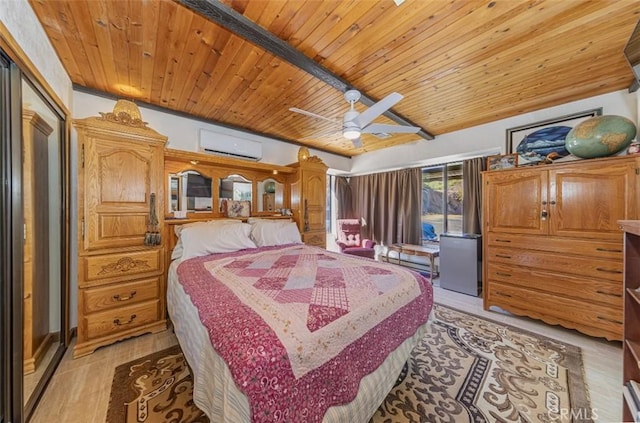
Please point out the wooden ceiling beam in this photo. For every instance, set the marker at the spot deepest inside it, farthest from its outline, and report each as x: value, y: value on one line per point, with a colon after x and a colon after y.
x: 229, y: 19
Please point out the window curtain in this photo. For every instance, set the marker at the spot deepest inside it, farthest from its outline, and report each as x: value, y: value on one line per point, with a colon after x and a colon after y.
x: 343, y: 199
x: 472, y: 195
x: 390, y: 204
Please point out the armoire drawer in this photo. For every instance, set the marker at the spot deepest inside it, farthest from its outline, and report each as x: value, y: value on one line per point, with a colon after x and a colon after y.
x: 121, y: 319
x: 554, y: 262
x: 121, y: 265
x: 588, y: 317
x: 592, y: 248
x: 120, y: 294
x: 589, y: 289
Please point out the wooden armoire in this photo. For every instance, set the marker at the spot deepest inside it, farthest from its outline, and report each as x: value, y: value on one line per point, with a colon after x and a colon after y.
x: 308, y: 199
x: 35, y: 165
x: 552, y: 245
x: 120, y: 286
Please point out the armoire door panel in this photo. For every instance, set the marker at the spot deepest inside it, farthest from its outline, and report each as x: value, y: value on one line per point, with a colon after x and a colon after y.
x: 112, y: 170
x: 316, y: 218
x: 116, y: 209
x: 131, y: 226
x: 118, y: 168
x: 518, y: 202
x: 608, y: 192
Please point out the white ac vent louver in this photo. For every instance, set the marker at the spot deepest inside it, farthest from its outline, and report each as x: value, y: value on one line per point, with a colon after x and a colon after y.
x: 228, y: 145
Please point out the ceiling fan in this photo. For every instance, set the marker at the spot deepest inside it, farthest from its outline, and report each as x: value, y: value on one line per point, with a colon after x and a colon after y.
x: 355, y: 123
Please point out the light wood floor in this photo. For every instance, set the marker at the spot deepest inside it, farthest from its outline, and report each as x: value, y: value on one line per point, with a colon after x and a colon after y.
x: 79, y: 391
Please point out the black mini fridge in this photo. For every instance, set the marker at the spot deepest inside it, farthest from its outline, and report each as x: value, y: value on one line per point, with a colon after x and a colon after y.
x: 461, y: 263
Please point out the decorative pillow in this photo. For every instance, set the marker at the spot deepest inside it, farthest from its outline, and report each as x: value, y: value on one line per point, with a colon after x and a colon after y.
x: 274, y: 232
x: 177, y: 249
x: 208, y: 239
x: 349, y: 234
x: 237, y: 208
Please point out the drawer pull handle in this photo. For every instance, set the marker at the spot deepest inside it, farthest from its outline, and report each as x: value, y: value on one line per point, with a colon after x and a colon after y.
x: 606, y: 319
x: 117, y: 297
x: 609, y: 250
x: 609, y: 293
x: 503, y: 295
x: 503, y: 255
x: 600, y: 269
x: 503, y: 274
x: 502, y: 240
x: 117, y: 322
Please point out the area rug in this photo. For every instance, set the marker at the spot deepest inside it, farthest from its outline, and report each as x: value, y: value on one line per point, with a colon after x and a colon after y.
x: 465, y: 369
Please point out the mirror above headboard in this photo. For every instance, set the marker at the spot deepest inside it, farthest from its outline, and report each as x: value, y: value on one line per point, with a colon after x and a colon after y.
x: 270, y: 196
x: 212, y: 178
x: 190, y: 191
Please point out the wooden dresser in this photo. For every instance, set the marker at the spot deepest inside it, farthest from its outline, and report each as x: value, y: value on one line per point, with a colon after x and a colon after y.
x: 120, y: 280
x: 308, y: 200
x: 552, y: 245
x: 35, y: 159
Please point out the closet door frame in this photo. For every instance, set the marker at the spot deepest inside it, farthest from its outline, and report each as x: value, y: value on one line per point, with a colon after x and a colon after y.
x: 11, y: 231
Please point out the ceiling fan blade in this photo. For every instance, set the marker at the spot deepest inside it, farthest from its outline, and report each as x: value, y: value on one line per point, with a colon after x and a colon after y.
x: 304, y: 112
x: 379, y: 108
x: 376, y: 128
x: 357, y: 143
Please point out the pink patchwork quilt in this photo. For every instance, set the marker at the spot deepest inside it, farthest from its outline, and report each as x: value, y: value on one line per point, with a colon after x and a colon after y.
x: 300, y: 326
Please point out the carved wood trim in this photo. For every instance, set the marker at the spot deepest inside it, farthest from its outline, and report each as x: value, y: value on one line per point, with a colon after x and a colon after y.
x: 123, y: 265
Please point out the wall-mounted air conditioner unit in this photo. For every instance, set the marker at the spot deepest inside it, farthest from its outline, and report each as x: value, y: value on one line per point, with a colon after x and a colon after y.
x: 229, y: 145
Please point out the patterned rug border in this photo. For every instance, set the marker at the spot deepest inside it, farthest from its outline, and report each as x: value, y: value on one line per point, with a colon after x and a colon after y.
x: 577, y: 372
x: 116, y: 413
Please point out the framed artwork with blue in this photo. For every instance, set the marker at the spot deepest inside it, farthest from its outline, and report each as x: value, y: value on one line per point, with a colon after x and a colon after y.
x: 544, y: 141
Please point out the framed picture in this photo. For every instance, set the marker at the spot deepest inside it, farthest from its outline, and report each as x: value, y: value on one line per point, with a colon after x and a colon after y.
x: 502, y: 161
x: 238, y: 208
x: 535, y: 142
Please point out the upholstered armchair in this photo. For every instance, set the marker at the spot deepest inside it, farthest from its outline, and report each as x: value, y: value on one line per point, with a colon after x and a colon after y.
x: 350, y: 240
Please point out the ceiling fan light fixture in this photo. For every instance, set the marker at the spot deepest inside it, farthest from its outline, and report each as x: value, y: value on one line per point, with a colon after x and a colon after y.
x: 351, y: 133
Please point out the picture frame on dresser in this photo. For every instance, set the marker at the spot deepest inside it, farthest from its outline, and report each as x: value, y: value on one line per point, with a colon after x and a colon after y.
x: 534, y: 142
x: 502, y: 161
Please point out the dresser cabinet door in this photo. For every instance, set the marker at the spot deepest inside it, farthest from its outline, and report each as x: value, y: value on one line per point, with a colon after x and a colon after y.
x: 516, y: 202
x: 119, y: 179
x: 588, y: 200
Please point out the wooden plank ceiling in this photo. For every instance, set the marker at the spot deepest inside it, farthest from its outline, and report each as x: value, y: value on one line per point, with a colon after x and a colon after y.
x: 458, y: 63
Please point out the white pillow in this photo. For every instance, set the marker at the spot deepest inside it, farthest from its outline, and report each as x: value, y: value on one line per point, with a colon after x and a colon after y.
x: 274, y: 232
x: 177, y: 249
x: 201, y: 240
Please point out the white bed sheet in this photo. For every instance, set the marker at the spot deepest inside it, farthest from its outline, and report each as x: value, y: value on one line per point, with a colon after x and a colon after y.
x: 215, y: 392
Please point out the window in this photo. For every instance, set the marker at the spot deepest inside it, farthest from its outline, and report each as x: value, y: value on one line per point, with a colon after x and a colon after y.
x: 441, y: 200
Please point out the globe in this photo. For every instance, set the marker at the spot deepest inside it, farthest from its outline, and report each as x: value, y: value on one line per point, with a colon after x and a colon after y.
x: 600, y: 136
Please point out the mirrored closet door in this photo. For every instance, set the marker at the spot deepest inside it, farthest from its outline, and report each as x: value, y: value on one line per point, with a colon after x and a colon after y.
x: 42, y: 201
x: 34, y: 229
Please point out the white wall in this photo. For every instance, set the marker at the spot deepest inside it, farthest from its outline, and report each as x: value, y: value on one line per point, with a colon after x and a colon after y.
x: 484, y: 139
x: 183, y: 132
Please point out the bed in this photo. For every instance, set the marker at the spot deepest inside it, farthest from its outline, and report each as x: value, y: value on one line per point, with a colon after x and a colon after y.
x: 275, y: 330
